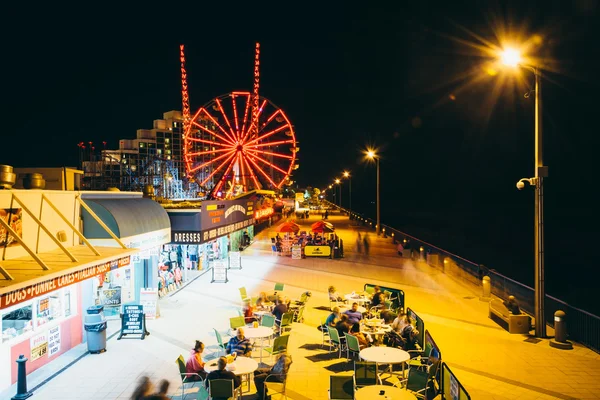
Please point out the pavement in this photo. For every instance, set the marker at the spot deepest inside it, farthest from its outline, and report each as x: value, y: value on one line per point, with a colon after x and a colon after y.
x: 487, y: 360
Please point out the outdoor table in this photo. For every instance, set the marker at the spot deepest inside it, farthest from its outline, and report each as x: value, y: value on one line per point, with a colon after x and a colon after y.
x: 242, y: 366
x: 261, y: 333
x: 375, y: 329
x: 354, y: 297
x: 384, y: 355
x: 391, y: 393
x: 259, y: 313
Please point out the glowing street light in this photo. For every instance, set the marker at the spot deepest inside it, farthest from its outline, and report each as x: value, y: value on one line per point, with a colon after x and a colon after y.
x: 347, y: 175
x: 512, y: 57
x: 339, y: 183
x: 373, y: 156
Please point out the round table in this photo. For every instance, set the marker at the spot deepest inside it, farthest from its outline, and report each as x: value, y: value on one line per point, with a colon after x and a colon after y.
x: 243, y: 366
x: 360, y: 299
x: 261, y: 333
x: 385, y: 355
x: 391, y: 393
x: 375, y: 329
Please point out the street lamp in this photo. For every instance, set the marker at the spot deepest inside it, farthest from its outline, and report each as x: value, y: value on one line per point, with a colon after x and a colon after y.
x: 339, y: 183
x: 347, y: 175
x: 512, y: 57
x: 371, y: 155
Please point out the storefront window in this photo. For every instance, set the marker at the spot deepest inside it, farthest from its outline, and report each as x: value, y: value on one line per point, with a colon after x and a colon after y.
x: 113, y: 289
x: 17, y: 322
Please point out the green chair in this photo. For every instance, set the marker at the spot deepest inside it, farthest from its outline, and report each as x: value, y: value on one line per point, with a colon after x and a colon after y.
x: 244, y: 295
x: 422, y: 360
x: 365, y: 374
x: 280, y: 345
x: 352, y: 345
x: 285, y: 325
x: 203, y: 393
x: 279, y: 287
x: 222, y: 346
x: 324, y: 332
x: 186, y: 376
x: 370, y: 290
x: 269, y: 322
x: 423, y: 384
x: 276, y: 383
x: 299, y: 314
x: 223, y: 388
x: 334, y: 339
x: 341, y: 387
x: 236, y: 322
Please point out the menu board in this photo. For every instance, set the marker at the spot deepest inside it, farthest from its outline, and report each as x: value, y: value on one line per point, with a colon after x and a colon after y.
x: 219, y: 271
x: 149, y: 301
x: 53, y: 340
x: 235, y: 260
x: 39, y: 346
x: 133, y: 321
x: 296, y: 252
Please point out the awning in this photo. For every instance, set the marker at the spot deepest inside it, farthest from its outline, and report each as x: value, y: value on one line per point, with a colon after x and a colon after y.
x: 124, y: 217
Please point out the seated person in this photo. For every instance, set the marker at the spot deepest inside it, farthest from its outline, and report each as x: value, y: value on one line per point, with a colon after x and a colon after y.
x: 222, y: 373
x: 248, y: 311
x: 333, y: 295
x: 194, y: 364
x: 399, y: 323
x: 343, y: 327
x: 363, y: 340
x: 277, y: 372
x: 261, y: 301
x: 388, y: 316
x: 279, y: 309
x: 512, y: 305
x: 378, y: 300
x: 331, y: 320
x: 353, y: 314
x: 239, y: 344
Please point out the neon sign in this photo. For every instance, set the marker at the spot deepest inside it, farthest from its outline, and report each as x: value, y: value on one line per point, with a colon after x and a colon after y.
x: 265, y: 212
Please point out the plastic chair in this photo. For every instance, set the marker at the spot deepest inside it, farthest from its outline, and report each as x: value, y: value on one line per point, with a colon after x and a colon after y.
x: 278, y: 382
x: 203, y: 393
x: 423, y: 383
x: 365, y: 374
x: 285, y: 325
x: 236, y: 322
x: 244, y: 294
x: 222, y: 345
x: 370, y: 290
x: 279, y: 287
x: 341, y: 387
x: 186, y: 375
x: 324, y: 332
x: 334, y: 338
x: 280, y: 345
x: 299, y: 314
x: 223, y: 388
x: 352, y: 345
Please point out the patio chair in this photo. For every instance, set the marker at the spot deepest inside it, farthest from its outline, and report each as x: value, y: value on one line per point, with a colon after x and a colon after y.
x: 273, y: 249
x: 276, y: 383
x: 279, y: 287
x: 223, y: 388
x: 365, y: 374
x: 370, y: 290
x: 222, y: 346
x: 334, y: 338
x: 244, y: 294
x: 423, y: 384
x: 186, y: 377
x: 236, y: 322
x: 324, y: 332
x: 299, y: 314
x: 352, y: 345
x: 422, y: 356
x: 202, y: 393
x: 280, y: 345
x: 285, y: 325
x: 341, y: 387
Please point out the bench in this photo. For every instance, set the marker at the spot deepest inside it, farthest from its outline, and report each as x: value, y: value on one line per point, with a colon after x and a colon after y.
x: 512, y: 323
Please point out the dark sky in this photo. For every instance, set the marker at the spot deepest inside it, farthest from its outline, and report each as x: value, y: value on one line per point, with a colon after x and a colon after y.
x: 346, y: 76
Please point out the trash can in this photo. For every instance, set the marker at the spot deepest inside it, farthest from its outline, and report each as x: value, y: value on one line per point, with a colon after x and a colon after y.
x: 95, y: 329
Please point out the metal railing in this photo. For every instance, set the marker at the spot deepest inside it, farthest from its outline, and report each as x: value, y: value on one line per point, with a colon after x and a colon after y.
x: 583, y: 327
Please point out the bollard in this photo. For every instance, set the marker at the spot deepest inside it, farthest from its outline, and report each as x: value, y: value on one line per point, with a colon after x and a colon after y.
x: 560, y: 332
x: 487, y: 287
x: 22, y: 392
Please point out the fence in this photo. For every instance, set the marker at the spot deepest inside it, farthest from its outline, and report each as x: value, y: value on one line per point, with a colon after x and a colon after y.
x: 583, y: 327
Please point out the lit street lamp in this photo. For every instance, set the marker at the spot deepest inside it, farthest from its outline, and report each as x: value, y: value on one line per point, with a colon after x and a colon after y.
x: 347, y: 175
x: 339, y: 183
x: 512, y: 58
x: 373, y: 156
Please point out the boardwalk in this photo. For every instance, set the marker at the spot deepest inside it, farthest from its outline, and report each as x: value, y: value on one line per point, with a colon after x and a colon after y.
x: 490, y: 363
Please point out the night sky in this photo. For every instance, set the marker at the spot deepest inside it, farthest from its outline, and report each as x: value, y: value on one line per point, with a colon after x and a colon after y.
x: 402, y: 79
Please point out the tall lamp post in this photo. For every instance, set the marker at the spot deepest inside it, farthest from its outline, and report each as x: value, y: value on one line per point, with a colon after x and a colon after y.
x: 371, y: 155
x: 339, y: 183
x: 512, y: 58
x: 332, y: 195
x: 347, y: 175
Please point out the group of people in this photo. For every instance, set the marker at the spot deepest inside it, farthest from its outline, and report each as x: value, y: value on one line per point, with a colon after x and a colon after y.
x: 363, y: 242
x: 143, y: 390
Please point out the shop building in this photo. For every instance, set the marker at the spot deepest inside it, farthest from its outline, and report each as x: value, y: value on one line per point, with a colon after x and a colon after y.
x: 63, y: 251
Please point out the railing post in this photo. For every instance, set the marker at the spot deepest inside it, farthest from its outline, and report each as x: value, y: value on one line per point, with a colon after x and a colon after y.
x: 560, y: 332
x: 487, y: 288
x: 22, y: 392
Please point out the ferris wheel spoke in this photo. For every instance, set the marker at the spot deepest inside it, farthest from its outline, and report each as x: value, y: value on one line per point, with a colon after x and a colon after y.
x: 218, y: 168
x: 269, y: 163
x: 214, y: 121
x: 205, y: 129
x: 232, y: 137
x: 254, y: 121
x: 251, y: 171
x: 269, y: 153
x: 232, y: 152
x: 245, y: 115
x: 212, y: 142
x: 235, y: 118
x: 266, y: 135
x: 229, y: 167
x: 261, y: 171
x: 242, y: 171
x: 201, y: 153
x: 253, y: 146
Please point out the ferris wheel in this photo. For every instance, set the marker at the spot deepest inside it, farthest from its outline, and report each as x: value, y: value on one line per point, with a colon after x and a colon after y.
x: 230, y: 151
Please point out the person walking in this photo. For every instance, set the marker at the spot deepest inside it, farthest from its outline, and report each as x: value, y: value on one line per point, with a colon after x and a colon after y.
x: 359, y: 244
x: 366, y: 244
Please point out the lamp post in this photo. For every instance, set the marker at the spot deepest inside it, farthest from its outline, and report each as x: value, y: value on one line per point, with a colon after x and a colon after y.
x: 512, y: 58
x: 347, y: 175
x: 373, y: 156
x: 339, y: 183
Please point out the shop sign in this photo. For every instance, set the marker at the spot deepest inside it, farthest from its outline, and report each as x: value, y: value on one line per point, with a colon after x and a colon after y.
x: 265, y: 212
x: 208, y: 235
x: 219, y: 271
x: 453, y: 387
x: 53, y: 340
x: 136, y: 258
x: 27, y: 293
x: 133, y: 321
x: 215, y: 213
x: 149, y: 300
x: 39, y: 346
x: 111, y: 297
x: 296, y: 252
x: 235, y: 260
x: 317, y: 251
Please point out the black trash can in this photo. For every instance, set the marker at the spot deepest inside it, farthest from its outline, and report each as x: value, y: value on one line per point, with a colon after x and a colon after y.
x: 95, y: 329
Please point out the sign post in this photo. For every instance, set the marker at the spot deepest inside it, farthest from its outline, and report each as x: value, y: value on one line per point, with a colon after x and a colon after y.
x: 149, y: 300
x: 219, y: 272
x: 133, y: 321
x: 235, y: 260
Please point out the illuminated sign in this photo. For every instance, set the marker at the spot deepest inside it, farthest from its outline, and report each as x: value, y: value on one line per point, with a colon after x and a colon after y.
x: 317, y: 251
x: 39, y: 289
x: 265, y: 212
x: 206, y: 235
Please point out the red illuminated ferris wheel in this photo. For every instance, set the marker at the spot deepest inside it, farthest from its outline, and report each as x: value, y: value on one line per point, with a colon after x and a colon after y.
x: 229, y: 151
